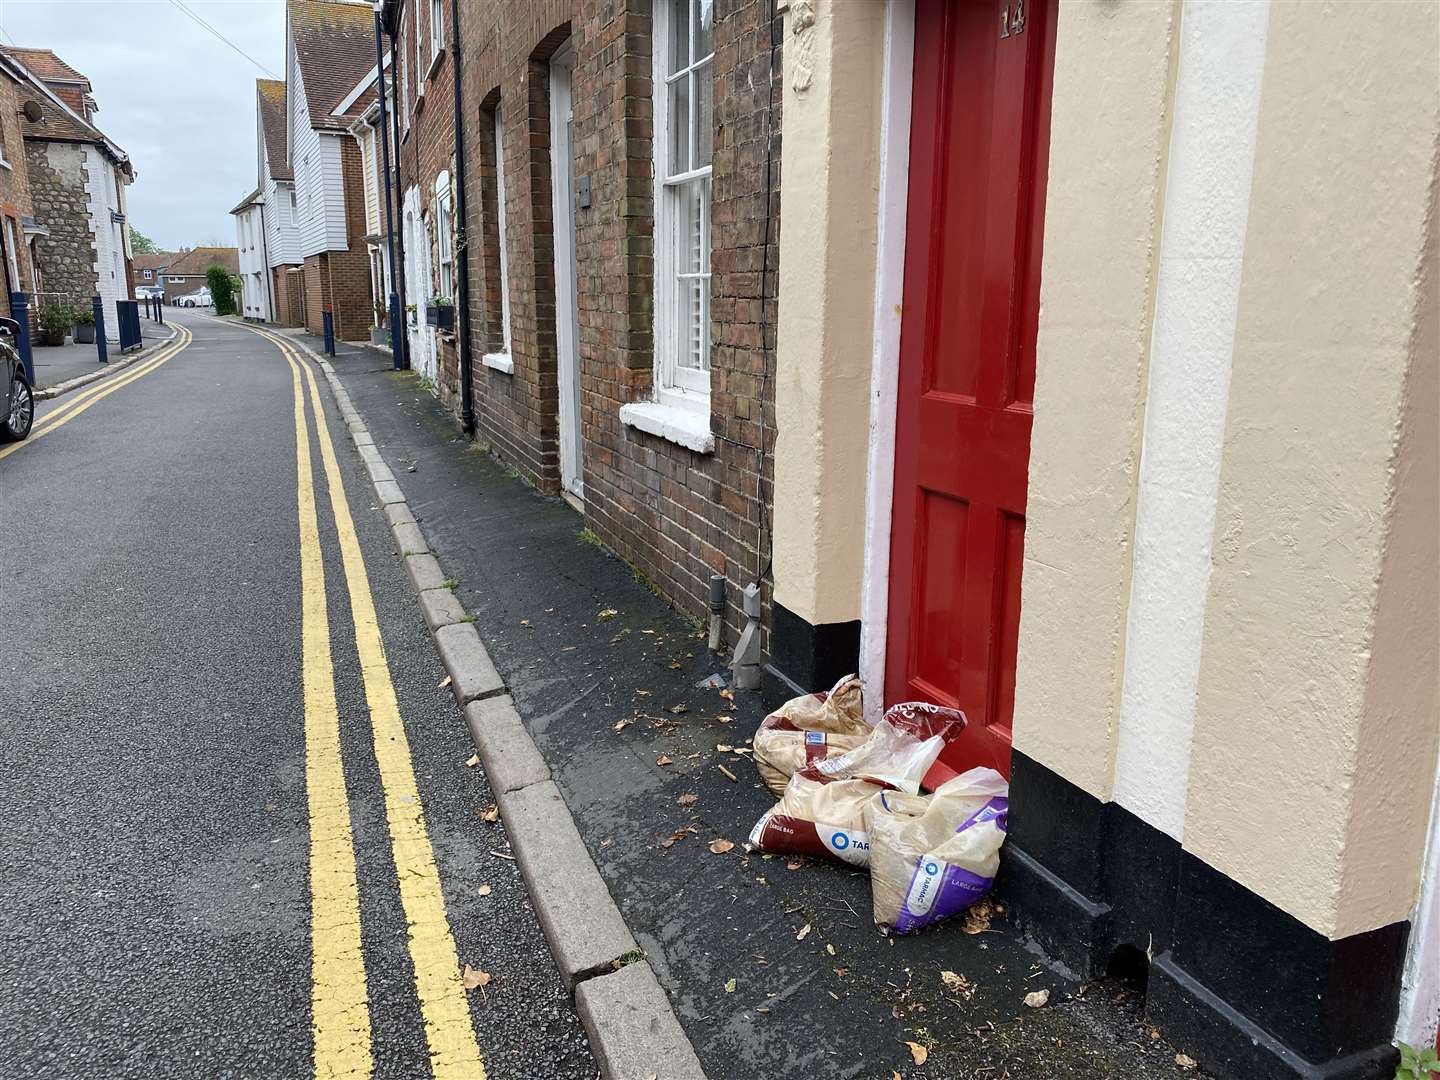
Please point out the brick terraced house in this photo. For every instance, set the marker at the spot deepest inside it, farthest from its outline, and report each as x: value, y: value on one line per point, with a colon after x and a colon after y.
x: 18, y: 226
x: 1094, y: 395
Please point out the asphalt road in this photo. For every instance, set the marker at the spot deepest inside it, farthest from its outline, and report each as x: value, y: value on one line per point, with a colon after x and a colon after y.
x: 172, y: 866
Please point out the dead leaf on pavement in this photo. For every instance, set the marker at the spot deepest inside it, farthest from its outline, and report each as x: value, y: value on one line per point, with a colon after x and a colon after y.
x: 608, y: 614
x: 724, y: 748
x: 828, y: 947
x: 730, y: 986
x: 688, y: 798
x: 804, y: 932
x: 473, y: 760
x: 895, y: 1075
x: 678, y: 709
x: 678, y: 834
x: 664, y: 759
x: 720, y: 847
x: 484, y: 890
x: 918, y: 1052
x: 1185, y: 1061
x: 490, y: 813
x: 1038, y: 999
x: 474, y: 979
x: 794, y: 864
x: 443, y: 683
x: 621, y: 725
x: 977, y: 918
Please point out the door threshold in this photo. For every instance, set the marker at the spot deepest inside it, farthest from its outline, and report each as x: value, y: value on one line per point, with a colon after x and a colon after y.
x: 576, y: 503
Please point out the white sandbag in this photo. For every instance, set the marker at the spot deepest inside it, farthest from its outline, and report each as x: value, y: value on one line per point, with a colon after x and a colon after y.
x: 900, y: 749
x: 931, y: 857
x: 818, y: 816
x: 809, y: 729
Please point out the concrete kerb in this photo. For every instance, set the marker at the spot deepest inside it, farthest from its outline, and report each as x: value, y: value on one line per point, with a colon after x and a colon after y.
x: 632, y: 1026
x: 45, y: 393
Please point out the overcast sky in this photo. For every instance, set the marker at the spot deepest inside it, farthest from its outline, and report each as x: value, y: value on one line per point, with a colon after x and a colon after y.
x: 180, y: 102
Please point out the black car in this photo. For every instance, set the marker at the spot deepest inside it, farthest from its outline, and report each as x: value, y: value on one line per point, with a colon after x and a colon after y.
x: 17, y: 402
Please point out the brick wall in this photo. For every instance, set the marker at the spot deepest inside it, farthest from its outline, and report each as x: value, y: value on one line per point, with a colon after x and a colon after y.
x: 677, y: 515
x: 349, y: 270
x: 15, y: 201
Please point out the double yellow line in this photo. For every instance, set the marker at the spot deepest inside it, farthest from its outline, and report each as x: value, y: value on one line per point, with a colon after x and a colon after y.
x: 73, y: 407
x: 338, y: 993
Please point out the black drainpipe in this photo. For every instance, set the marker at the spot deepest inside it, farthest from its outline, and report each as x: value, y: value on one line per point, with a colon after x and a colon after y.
x: 396, y: 308
x: 462, y: 264
x: 397, y: 272
x: 265, y: 258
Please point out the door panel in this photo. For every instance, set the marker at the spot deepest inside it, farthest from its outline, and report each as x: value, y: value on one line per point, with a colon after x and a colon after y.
x: 978, y: 162
x: 567, y: 315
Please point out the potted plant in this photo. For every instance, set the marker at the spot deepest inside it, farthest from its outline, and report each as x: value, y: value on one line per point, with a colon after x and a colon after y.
x: 84, y: 326
x: 55, y: 322
x: 441, y: 314
x: 410, y: 313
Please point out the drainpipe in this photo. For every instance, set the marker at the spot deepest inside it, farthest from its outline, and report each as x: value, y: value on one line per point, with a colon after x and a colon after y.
x: 265, y: 259
x: 398, y: 358
x: 398, y: 268
x: 462, y: 263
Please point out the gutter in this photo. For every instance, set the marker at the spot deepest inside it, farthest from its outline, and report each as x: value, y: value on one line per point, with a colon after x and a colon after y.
x: 462, y: 262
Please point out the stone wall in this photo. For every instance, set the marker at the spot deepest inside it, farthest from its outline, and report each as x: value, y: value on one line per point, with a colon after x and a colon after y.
x: 67, y: 256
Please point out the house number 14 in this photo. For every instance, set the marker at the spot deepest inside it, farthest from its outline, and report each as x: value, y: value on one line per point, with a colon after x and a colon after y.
x: 1012, y: 22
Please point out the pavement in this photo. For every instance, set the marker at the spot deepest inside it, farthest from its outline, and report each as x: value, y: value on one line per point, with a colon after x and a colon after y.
x: 166, y: 890
x: 773, y: 966
x: 57, y: 364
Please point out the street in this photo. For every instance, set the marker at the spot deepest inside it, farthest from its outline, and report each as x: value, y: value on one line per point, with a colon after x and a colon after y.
x: 226, y: 729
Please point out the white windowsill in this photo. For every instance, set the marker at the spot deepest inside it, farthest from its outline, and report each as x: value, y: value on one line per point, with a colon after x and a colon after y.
x: 502, y: 362
x: 689, y: 428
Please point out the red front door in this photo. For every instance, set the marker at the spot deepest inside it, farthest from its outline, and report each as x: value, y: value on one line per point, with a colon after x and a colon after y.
x: 980, y: 134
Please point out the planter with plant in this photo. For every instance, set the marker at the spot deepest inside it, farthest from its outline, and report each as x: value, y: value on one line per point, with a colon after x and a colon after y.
x: 55, y: 322
x: 441, y: 314
x: 84, y: 326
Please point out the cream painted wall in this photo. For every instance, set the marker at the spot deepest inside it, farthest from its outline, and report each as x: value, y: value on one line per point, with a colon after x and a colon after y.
x: 830, y: 176
x: 1315, y: 730
x: 1109, y: 133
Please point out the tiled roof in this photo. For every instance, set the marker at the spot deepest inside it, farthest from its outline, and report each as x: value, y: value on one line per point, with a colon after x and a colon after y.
x: 335, y: 47
x: 270, y: 94
x: 48, y: 66
x: 159, y: 261
x: 196, y: 261
x: 57, y: 123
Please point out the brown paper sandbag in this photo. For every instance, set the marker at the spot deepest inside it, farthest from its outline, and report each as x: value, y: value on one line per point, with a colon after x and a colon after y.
x: 809, y: 729
x: 818, y: 816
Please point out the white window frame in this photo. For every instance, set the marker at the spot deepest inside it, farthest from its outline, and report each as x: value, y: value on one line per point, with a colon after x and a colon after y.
x: 11, y: 256
x: 502, y: 237
x: 444, y: 242
x: 404, y: 80
x: 437, y: 28
x: 149, y: 274
x: 678, y: 385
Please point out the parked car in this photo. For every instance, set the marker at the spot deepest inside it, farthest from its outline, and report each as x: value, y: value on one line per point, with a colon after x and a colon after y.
x: 198, y: 298
x: 149, y: 292
x: 17, y: 405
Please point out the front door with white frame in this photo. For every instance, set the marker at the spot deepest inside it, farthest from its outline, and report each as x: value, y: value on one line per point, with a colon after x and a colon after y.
x: 567, y: 318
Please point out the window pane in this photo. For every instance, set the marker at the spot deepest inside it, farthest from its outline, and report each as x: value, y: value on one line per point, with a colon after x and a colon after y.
x: 679, y: 160
x: 704, y: 28
x: 679, y: 35
x: 692, y: 277
x: 704, y: 117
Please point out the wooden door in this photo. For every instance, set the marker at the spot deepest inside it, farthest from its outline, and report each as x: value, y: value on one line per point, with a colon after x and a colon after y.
x: 980, y: 133
x: 567, y: 312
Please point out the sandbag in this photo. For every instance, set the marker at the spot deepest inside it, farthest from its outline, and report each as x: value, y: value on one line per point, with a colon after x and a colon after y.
x: 809, y: 729
x: 933, y: 856
x: 818, y: 816
x: 900, y: 749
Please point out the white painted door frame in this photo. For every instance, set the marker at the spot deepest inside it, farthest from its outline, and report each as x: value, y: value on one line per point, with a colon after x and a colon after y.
x: 885, y: 349
x: 567, y: 316
x: 417, y: 285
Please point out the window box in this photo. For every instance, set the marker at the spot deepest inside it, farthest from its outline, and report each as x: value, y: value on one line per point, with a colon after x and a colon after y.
x: 441, y: 316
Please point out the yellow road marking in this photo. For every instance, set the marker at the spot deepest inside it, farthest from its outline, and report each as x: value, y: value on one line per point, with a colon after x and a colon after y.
x: 72, y: 409
x: 339, y: 1003
x: 454, y: 1052
x: 101, y: 385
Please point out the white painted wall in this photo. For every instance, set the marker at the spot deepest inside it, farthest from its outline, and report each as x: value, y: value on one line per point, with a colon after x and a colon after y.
x: 1207, y: 198
x: 102, y: 191
x: 255, y: 298
x: 319, y: 186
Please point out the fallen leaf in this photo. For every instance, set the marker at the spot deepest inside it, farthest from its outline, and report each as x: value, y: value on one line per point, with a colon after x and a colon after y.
x: 728, y: 695
x: 688, y: 798
x: 794, y: 864
x: 1038, y: 999
x: 804, y: 932
x: 730, y: 986
x: 608, y: 614
x: 1185, y: 1061
x: 830, y: 949
x: 474, y: 979
x: 895, y: 1075
x: 720, y: 847
x: 490, y: 813
x: 524, y: 622
x: 664, y: 760
x: 473, y: 760
x: 621, y: 725
x: 484, y: 890
x: 918, y: 1052
x: 952, y: 980
x: 842, y: 972
x: 678, y: 709
x: 443, y: 683
x: 977, y: 918
x: 724, y: 748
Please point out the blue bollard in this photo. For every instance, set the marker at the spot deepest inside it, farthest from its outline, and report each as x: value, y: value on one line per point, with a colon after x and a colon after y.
x: 20, y: 312
x: 397, y: 328
x: 329, y: 332
x: 98, y: 307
